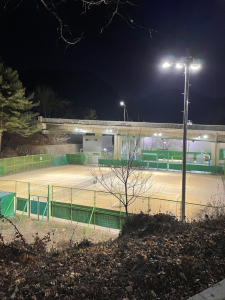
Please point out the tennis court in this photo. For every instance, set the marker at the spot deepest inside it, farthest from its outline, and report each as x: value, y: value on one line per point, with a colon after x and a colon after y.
x: 166, y: 185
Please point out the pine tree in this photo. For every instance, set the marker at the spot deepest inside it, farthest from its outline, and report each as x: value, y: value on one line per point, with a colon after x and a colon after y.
x: 15, y: 108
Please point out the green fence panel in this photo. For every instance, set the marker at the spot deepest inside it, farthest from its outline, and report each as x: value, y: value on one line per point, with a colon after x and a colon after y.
x: 21, y: 202
x: 34, y: 207
x: 82, y: 215
x: 174, y: 166
x: 9, y: 170
x: 62, y: 210
x: 150, y: 156
x: 25, y: 163
x: 75, y: 158
x: 153, y: 165
x: 59, y: 161
x: 162, y: 165
x: 105, y: 220
x: 2, y: 170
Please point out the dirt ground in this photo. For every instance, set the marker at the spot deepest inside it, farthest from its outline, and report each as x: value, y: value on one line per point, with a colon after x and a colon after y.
x: 60, y: 232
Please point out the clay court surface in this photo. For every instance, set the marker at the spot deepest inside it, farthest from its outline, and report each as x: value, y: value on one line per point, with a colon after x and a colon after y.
x: 166, y: 185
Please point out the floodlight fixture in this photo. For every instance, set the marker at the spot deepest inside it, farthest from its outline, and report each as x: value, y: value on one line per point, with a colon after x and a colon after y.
x: 155, y: 134
x: 124, y: 110
x: 160, y: 134
x: 166, y: 64
x: 179, y: 66
x: 195, y: 66
x: 205, y: 136
x: 110, y: 130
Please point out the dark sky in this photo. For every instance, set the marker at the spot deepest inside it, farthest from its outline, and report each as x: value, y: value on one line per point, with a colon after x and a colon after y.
x: 128, y: 60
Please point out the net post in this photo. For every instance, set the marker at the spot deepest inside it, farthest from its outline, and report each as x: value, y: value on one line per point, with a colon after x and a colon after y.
x: 148, y: 205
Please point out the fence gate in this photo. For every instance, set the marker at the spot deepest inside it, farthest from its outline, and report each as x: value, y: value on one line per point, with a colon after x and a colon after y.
x: 39, y: 206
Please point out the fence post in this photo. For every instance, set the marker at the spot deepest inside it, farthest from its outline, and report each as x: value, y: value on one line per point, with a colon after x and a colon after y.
x: 29, y: 208
x: 38, y: 207
x: 94, y: 206
x: 16, y: 193
x: 52, y: 203
x: 71, y: 209
x: 48, y: 204
x: 149, y: 205
x: 120, y: 213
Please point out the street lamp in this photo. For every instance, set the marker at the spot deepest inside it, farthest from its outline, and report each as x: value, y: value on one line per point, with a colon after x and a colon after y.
x: 187, y: 63
x: 124, y: 110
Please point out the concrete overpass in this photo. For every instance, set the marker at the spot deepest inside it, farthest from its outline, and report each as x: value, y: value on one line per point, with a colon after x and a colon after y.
x: 211, y: 133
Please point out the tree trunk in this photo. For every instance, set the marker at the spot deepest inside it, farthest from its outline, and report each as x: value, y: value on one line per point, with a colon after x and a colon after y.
x: 126, y: 210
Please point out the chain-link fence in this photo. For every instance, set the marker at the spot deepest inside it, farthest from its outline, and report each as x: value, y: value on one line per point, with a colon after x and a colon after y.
x: 20, y: 164
x: 44, y: 202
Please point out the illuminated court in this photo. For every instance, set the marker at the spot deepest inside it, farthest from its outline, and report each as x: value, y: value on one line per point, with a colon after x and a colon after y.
x: 166, y: 186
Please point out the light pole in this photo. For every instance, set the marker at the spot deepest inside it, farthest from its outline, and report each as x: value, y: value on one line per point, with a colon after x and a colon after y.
x: 124, y: 110
x: 187, y: 63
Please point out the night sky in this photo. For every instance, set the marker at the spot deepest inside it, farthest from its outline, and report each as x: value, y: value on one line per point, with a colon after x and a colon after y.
x: 127, y: 61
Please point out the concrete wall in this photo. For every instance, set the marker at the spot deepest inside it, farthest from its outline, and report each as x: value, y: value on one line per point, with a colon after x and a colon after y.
x: 97, y: 143
x: 57, y: 150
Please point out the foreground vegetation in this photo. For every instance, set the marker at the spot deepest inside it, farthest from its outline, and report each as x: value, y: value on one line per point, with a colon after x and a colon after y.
x: 155, y: 257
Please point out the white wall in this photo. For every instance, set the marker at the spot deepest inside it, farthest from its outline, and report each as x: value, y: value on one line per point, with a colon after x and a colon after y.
x: 150, y: 143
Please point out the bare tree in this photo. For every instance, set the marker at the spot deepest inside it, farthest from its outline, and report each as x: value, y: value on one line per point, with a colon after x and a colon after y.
x: 129, y: 181
x: 71, y: 14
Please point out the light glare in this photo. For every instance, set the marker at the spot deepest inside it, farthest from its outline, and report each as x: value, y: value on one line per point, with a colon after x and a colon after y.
x: 195, y: 66
x: 166, y: 65
x: 121, y: 103
x: 179, y: 66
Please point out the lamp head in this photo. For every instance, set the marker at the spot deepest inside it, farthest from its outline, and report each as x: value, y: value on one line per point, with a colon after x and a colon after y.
x: 166, y: 64
x: 195, y: 66
x: 179, y: 65
x: 122, y: 103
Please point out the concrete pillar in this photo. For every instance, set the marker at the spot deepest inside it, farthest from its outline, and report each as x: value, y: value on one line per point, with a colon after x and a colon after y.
x: 116, y: 146
x: 215, y: 154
